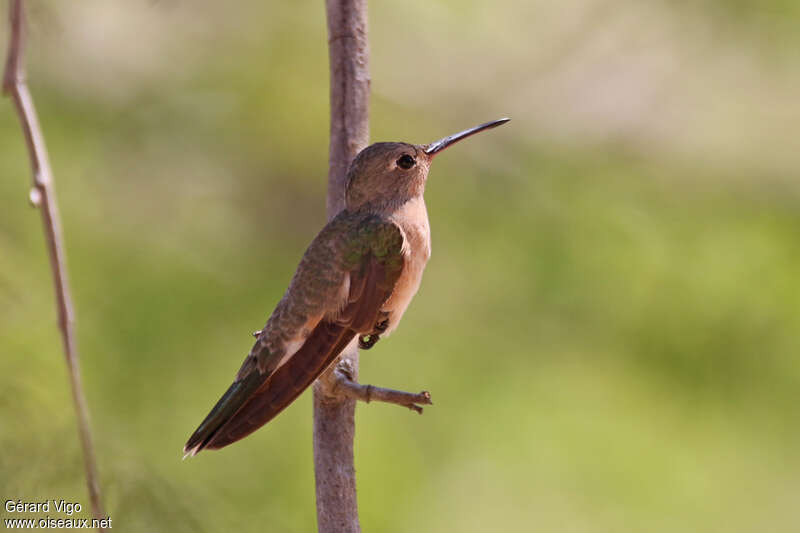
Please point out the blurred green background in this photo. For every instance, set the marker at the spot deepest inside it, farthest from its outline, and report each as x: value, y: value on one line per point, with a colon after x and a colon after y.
x: 608, y: 324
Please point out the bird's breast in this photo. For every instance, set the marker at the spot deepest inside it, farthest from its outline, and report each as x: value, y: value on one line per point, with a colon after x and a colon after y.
x: 413, y: 220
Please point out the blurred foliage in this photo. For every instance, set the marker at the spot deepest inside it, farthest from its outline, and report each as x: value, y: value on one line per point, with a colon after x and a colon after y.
x: 608, y: 324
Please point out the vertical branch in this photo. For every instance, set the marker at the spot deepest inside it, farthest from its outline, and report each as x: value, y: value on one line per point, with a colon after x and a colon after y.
x: 334, y: 425
x: 348, y: 52
x: 42, y: 196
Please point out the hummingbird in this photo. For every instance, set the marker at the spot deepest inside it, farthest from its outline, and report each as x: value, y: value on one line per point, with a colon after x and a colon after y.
x: 356, y: 279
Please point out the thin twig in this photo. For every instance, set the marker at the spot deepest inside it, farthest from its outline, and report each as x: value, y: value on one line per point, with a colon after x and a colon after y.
x: 370, y: 393
x: 43, y: 196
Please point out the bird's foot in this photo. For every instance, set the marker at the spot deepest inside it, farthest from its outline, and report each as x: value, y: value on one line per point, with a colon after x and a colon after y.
x: 365, y: 342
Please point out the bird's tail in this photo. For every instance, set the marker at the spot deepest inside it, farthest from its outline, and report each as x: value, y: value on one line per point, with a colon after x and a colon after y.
x: 227, y: 406
x: 255, y: 398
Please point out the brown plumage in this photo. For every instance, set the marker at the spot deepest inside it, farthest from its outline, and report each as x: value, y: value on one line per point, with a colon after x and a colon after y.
x: 356, y: 279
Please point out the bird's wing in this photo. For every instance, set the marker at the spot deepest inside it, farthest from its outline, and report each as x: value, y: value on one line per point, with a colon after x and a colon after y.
x: 371, y: 259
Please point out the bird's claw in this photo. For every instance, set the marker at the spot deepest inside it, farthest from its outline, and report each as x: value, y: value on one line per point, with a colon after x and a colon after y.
x: 365, y: 342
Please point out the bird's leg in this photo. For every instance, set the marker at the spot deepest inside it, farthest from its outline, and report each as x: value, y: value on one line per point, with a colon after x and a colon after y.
x: 366, y: 393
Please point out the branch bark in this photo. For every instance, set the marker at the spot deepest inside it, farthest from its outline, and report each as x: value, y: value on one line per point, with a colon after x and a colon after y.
x: 334, y: 424
x: 337, y: 390
x: 42, y: 195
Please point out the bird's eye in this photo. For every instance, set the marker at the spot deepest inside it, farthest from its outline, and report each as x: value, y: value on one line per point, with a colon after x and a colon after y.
x: 406, y: 161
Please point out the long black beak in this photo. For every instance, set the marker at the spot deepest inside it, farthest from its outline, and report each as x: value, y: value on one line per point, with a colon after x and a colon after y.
x: 441, y: 144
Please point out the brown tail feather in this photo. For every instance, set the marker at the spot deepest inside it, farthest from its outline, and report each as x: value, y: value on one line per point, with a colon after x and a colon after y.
x: 318, y: 352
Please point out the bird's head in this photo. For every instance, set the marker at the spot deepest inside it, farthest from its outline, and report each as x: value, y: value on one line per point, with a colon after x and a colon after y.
x: 388, y: 174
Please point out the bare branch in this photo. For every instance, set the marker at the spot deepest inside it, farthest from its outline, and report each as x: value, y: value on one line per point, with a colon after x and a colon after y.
x: 336, y: 391
x: 43, y: 196
x: 370, y: 393
x: 334, y: 422
x: 348, y: 52
x: 334, y: 467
